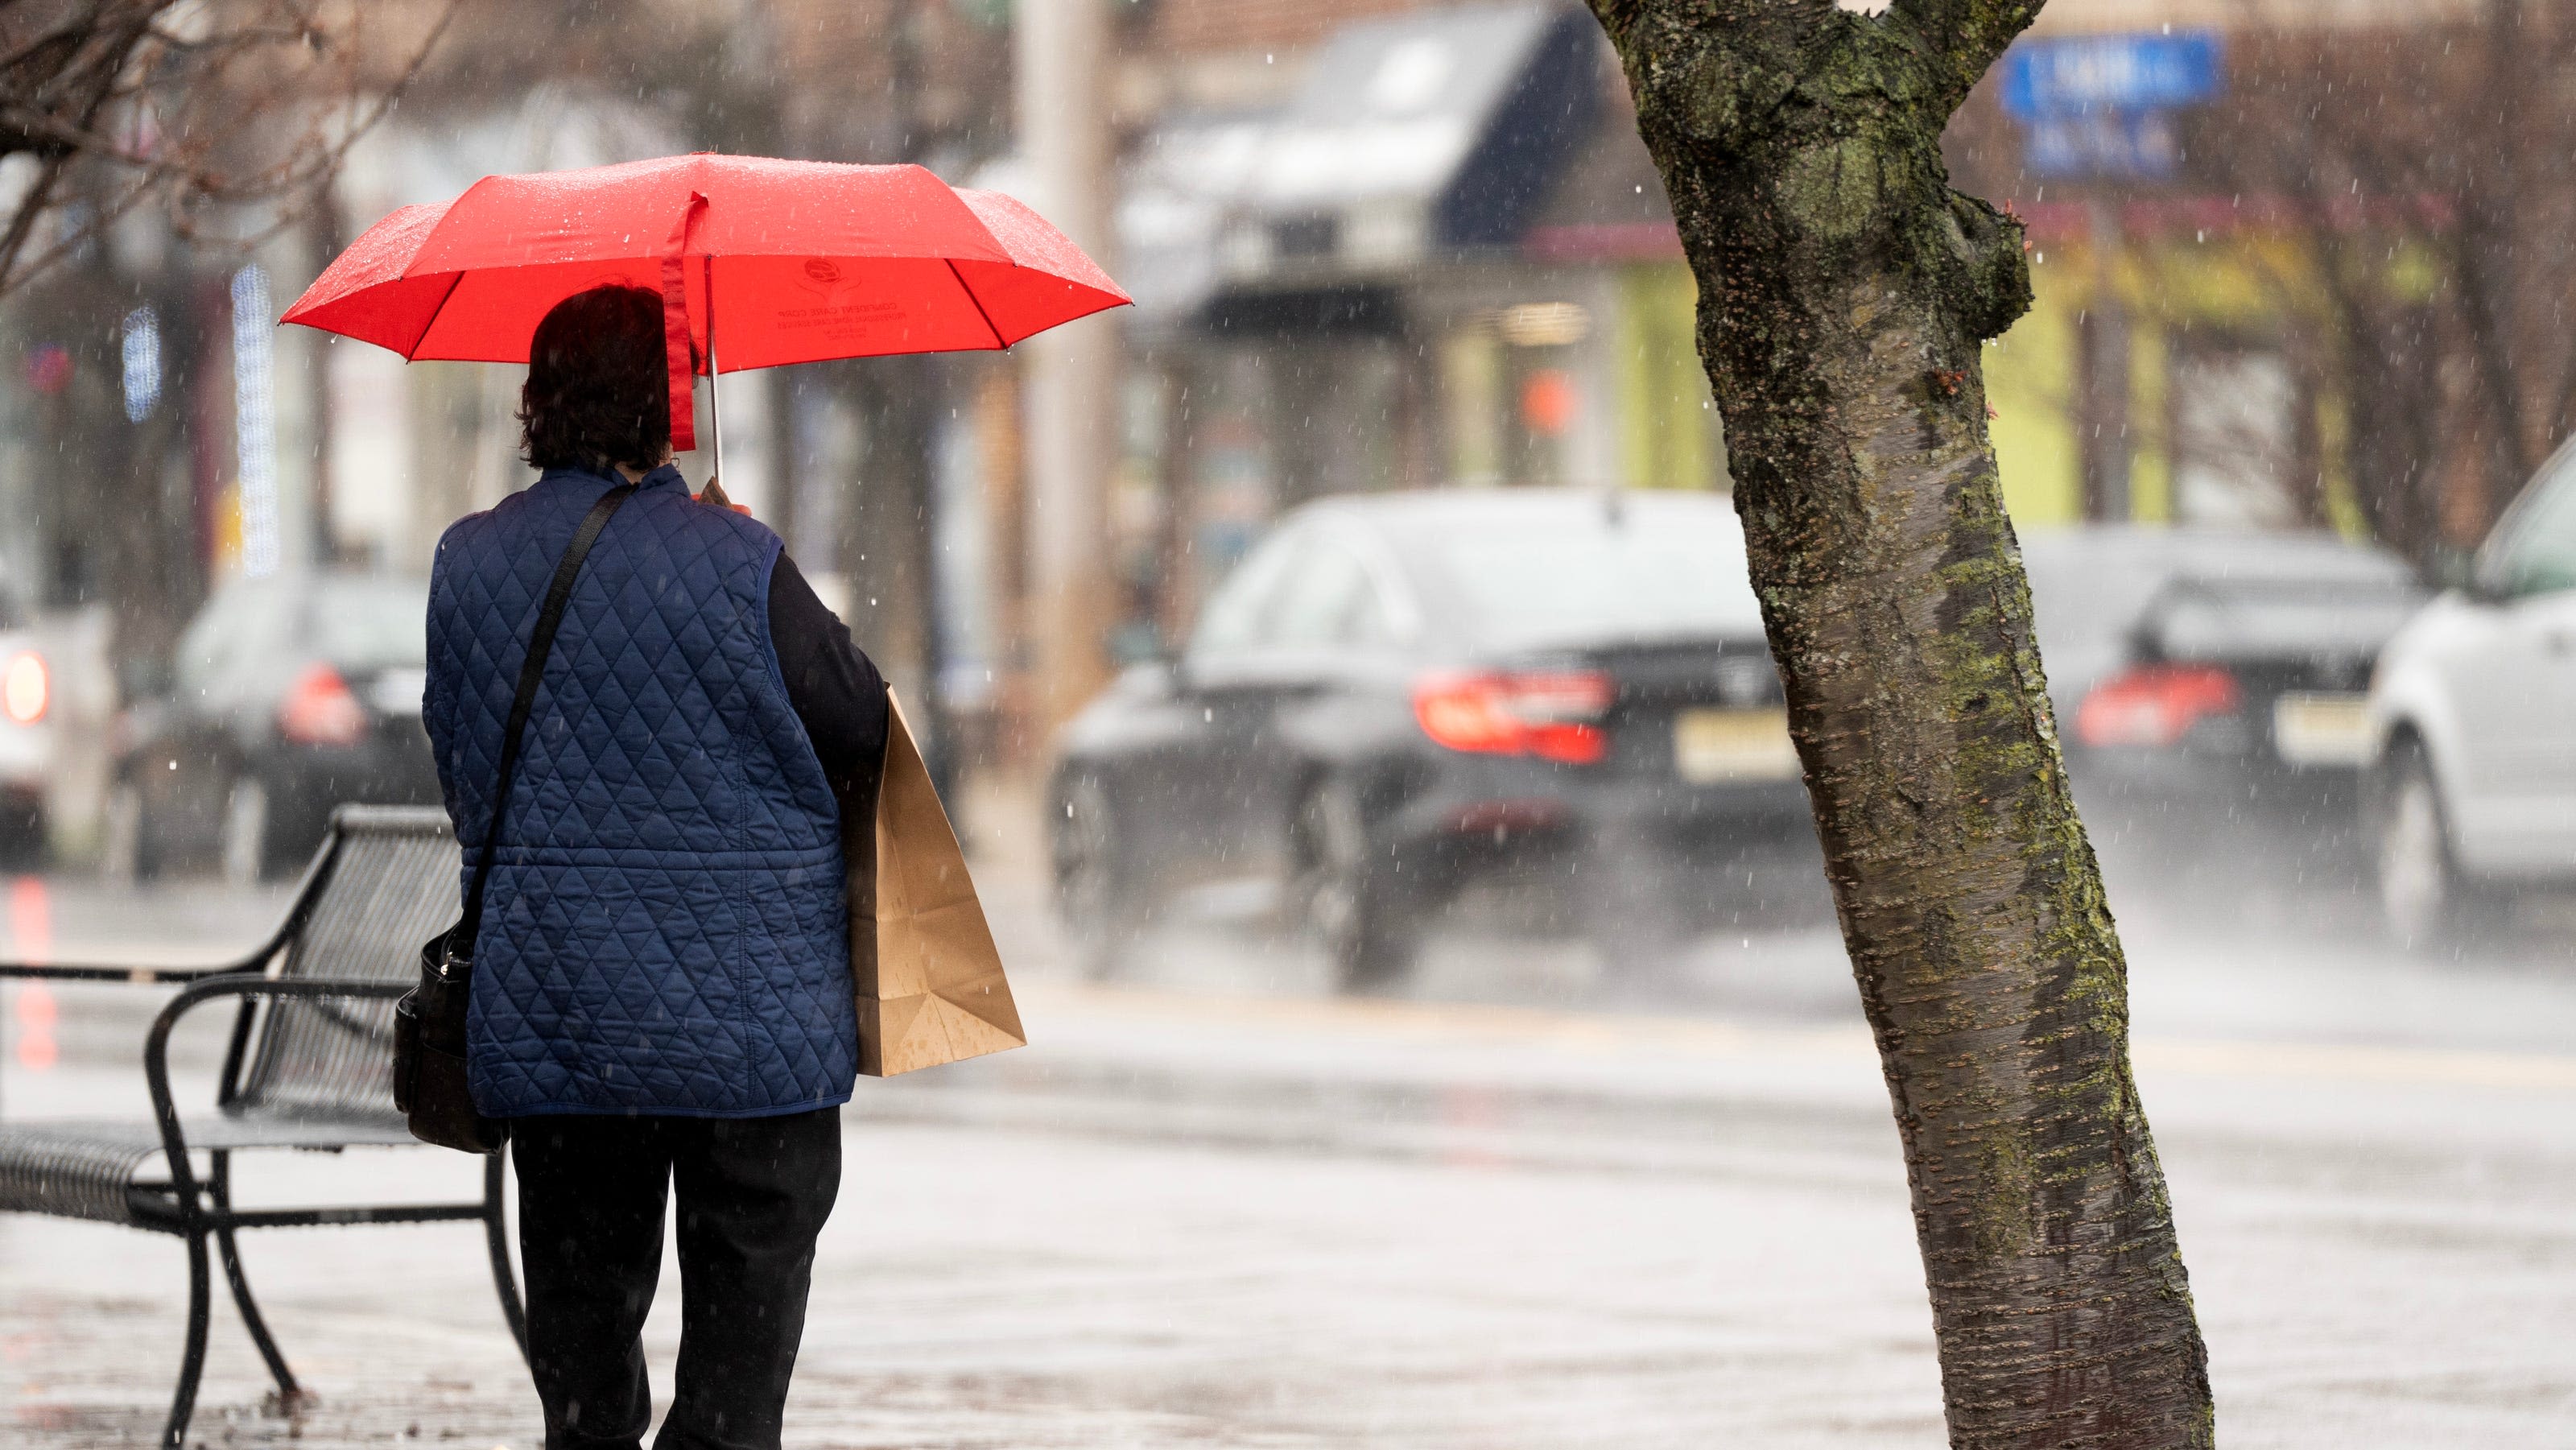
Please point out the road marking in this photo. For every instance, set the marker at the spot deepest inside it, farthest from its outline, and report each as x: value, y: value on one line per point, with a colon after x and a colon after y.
x: 1537, y: 1028
x: 35, y: 1014
x: 2354, y: 1062
x: 31, y: 921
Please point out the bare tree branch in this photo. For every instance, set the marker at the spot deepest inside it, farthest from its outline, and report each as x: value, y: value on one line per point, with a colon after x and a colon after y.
x: 2423, y: 169
x: 207, y: 111
x: 22, y: 223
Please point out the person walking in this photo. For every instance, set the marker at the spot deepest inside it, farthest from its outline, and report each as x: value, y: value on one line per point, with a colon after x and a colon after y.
x: 661, y: 990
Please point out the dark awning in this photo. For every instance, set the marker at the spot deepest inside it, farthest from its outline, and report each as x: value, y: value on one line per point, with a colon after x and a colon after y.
x: 1433, y: 132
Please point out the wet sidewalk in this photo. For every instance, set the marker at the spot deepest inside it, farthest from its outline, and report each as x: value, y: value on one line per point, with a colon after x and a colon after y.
x: 1200, y: 1220
x: 1209, y: 1207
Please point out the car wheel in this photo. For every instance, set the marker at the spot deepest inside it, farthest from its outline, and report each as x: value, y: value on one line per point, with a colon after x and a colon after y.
x: 2428, y: 902
x: 1346, y: 896
x: 245, y: 840
x: 1096, y: 893
x: 22, y: 833
x: 125, y: 847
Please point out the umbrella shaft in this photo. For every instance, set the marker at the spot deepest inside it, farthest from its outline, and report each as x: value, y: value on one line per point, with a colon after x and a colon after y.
x: 715, y: 400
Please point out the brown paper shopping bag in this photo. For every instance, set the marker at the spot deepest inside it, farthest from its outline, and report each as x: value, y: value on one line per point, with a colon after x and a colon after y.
x: 930, y: 983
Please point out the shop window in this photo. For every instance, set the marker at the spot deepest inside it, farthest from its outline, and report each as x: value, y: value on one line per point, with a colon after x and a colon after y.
x: 2235, y: 438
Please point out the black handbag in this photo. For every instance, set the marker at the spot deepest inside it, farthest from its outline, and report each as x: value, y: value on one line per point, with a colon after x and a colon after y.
x: 429, y: 1020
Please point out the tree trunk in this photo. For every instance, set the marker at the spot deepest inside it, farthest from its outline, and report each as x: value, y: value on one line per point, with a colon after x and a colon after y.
x: 1845, y: 290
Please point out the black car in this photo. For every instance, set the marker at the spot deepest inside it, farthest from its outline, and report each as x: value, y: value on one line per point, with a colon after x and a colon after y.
x: 1397, y: 695
x: 2211, y: 687
x: 290, y: 695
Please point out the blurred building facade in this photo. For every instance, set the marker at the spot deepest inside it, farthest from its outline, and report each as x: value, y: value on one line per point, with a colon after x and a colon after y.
x: 2318, y: 296
x: 1416, y: 246
x: 1374, y: 244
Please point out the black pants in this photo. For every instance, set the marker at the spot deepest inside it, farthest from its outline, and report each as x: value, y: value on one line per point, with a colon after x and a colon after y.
x: 753, y: 1195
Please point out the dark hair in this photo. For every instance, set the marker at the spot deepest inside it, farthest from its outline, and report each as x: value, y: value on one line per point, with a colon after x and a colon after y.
x: 598, y: 392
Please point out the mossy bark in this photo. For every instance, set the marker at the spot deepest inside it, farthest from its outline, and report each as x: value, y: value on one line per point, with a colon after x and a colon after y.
x: 1845, y: 290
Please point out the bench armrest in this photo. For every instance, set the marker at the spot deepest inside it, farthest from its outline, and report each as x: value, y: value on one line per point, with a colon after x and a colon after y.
x: 306, y: 890
x: 103, y: 972
x: 156, y: 1048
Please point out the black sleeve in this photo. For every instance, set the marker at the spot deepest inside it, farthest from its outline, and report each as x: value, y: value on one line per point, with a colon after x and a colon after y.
x: 836, y: 691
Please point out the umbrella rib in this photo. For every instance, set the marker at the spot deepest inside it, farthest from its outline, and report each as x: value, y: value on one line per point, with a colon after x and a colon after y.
x: 998, y: 343
x: 453, y: 282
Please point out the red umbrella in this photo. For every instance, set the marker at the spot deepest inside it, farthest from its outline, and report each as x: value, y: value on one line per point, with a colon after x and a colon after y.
x: 759, y: 262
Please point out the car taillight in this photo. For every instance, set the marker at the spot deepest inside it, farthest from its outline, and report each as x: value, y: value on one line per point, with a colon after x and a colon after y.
x: 319, y: 710
x: 26, y: 689
x: 2155, y: 705
x: 1552, y: 714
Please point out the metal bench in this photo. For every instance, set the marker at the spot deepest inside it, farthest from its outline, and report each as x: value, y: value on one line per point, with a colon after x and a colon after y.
x: 309, y: 1065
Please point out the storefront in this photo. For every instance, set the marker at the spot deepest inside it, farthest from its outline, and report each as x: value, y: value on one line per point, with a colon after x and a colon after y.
x: 1441, y: 262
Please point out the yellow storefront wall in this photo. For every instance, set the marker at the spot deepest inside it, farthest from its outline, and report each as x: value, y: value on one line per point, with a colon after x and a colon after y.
x: 2030, y: 383
x: 2247, y: 284
x: 2243, y: 283
x: 1667, y: 422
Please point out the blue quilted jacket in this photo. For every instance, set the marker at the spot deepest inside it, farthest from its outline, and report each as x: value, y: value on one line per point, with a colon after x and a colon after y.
x: 665, y: 929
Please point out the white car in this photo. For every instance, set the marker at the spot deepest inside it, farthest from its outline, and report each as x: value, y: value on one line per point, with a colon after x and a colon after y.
x: 2473, y: 718
x: 29, y: 723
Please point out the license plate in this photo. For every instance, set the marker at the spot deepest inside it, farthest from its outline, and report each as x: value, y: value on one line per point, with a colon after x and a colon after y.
x: 1710, y: 746
x: 2321, y: 729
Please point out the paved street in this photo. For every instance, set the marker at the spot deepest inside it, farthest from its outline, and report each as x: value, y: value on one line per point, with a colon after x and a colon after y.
x: 1522, y: 1207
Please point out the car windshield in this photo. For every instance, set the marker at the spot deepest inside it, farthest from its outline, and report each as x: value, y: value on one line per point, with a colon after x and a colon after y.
x: 2197, y: 618
x: 2207, y: 596
x: 362, y: 624
x: 1656, y: 569
x: 2084, y: 603
x: 359, y: 623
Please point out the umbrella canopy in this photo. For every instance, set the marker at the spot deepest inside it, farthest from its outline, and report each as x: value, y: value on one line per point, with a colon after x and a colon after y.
x: 760, y: 262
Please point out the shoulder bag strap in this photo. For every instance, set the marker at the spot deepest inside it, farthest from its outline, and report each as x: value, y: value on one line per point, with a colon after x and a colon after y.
x: 532, y: 669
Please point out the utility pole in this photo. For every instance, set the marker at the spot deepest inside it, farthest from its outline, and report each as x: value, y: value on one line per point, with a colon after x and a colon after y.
x: 1061, y: 52
x: 2102, y: 374
x: 908, y: 389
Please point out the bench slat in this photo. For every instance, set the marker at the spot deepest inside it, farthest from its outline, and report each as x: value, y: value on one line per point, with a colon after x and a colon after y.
x: 391, y: 887
x: 82, y: 1168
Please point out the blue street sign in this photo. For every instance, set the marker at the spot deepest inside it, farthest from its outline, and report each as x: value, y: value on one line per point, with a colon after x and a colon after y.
x: 2130, y: 145
x: 2074, y: 75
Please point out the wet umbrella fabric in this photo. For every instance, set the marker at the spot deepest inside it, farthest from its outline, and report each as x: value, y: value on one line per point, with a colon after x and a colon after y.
x: 761, y: 263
